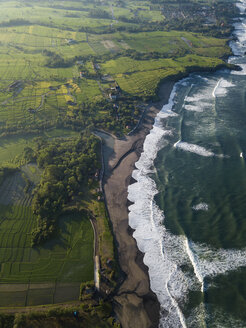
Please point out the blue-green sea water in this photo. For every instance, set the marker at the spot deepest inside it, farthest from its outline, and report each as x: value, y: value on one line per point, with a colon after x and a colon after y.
x: 189, y: 201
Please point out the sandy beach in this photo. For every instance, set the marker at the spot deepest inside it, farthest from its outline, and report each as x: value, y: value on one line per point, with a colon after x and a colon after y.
x: 135, y: 304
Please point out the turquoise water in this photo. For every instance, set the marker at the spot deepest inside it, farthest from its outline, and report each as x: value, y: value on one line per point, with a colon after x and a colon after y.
x: 189, y: 201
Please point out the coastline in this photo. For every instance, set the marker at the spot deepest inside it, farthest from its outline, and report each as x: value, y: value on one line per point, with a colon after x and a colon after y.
x: 147, y: 312
x: 134, y: 295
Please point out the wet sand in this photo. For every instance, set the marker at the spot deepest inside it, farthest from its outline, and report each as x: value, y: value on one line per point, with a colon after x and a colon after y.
x: 135, y: 304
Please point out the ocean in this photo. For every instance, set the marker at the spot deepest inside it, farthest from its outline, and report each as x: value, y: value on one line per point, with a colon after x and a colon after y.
x: 189, y: 199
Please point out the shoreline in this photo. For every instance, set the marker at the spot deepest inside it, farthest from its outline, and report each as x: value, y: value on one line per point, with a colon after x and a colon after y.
x: 120, y: 155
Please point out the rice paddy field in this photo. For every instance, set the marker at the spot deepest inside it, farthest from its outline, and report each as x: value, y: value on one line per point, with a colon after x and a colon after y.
x: 141, y: 77
x: 53, y: 272
x: 58, y: 267
x: 35, y: 96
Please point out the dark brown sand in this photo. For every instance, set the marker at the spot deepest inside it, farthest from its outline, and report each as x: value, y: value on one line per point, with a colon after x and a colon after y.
x: 135, y: 304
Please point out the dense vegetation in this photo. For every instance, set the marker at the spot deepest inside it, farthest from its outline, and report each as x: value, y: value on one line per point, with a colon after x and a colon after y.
x: 68, y: 165
x: 93, y: 314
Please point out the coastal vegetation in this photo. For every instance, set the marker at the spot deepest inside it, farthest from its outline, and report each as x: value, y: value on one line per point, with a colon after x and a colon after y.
x: 67, y: 69
x: 58, y: 316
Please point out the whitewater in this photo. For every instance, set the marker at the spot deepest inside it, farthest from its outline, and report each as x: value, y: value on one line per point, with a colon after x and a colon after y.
x: 165, y: 253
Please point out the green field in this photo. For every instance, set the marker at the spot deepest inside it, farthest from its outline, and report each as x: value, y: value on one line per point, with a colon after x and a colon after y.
x: 12, y: 147
x: 34, y: 95
x: 65, y: 260
x: 142, y: 77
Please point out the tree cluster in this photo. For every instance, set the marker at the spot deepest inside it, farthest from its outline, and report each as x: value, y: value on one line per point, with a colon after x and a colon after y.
x: 99, y: 13
x: 54, y: 60
x: 15, y: 22
x: 67, y: 165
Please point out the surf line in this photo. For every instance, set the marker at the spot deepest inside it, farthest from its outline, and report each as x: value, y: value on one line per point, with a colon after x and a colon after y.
x: 216, y: 87
x: 192, y: 258
x: 175, y: 304
x: 172, y: 299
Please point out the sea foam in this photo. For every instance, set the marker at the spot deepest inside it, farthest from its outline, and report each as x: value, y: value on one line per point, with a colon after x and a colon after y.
x: 200, y: 207
x: 192, y: 148
x: 164, y: 253
x: 221, y: 87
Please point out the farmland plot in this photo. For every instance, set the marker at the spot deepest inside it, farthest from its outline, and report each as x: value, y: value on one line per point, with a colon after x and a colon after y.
x: 64, y: 262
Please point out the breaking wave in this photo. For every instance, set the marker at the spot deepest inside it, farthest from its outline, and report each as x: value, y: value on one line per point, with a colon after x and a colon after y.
x: 220, y: 89
x: 200, y: 207
x: 193, y: 149
x: 166, y: 254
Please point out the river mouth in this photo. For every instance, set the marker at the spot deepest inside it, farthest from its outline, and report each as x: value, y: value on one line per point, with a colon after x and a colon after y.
x: 189, y: 205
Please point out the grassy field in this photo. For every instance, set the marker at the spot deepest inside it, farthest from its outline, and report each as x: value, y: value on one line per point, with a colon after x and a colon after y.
x: 52, y: 272
x: 167, y: 42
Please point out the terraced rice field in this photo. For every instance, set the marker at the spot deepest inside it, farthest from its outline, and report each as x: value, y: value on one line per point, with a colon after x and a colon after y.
x: 32, y: 94
x: 141, y: 77
x: 62, y: 263
x: 40, y: 97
